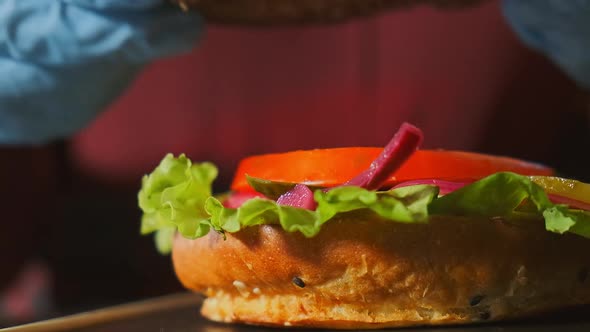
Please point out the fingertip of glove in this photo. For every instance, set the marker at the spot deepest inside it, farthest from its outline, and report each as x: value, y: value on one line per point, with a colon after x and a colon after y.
x: 558, y: 29
x: 519, y: 17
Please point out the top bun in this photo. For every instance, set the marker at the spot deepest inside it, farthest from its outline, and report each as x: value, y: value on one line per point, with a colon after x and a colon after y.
x: 261, y: 12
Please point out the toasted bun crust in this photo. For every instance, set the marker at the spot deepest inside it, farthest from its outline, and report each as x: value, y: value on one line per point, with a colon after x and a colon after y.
x: 368, y: 273
x: 300, y: 11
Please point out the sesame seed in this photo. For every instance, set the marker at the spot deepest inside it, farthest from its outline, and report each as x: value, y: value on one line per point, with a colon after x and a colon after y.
x: 476, y: 300
x: 241, y: 287
x: 298, y: 282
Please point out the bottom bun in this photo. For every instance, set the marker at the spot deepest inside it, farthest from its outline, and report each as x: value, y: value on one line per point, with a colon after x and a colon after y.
x: 367, y: 273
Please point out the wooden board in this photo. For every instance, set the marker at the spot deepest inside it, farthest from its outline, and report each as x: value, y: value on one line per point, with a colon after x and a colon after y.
x: 179, y: 313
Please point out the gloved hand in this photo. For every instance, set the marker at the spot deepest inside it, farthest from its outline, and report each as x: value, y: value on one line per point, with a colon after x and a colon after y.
x: 64, y: 61
x: 558, y: 28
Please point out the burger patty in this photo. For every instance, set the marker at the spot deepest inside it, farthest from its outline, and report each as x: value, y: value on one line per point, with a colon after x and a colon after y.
x: 302, y: 11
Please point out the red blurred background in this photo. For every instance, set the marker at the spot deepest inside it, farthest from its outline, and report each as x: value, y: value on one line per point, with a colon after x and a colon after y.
x: 461, y: 76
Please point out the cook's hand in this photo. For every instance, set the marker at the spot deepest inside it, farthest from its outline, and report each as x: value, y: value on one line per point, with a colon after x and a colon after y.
x: 63, y: 61
x: 558, y: 28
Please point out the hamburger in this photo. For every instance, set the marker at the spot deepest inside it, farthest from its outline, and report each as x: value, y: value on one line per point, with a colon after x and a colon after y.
x: 373, y: 237
x: 263, y: 12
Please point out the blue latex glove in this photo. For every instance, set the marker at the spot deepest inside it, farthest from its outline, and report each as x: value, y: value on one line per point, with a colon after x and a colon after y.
x: 558, y: 28
x: 64, y: 61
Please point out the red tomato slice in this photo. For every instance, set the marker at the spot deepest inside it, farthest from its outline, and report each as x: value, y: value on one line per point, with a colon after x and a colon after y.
x: 332, y: 167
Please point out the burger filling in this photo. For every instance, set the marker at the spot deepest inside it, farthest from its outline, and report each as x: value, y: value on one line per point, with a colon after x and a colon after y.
x: 177, y: 196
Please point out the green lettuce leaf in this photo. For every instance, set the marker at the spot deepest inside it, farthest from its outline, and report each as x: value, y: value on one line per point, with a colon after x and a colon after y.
x: 259, y: 211
x: 402, y: 205
x: 270, y: 189
x: 582, y: 225
x: 407, y: 204
x: 176, y: 197
x: 164, y: 239
x: 502, y: 194
x: 173, y: 197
